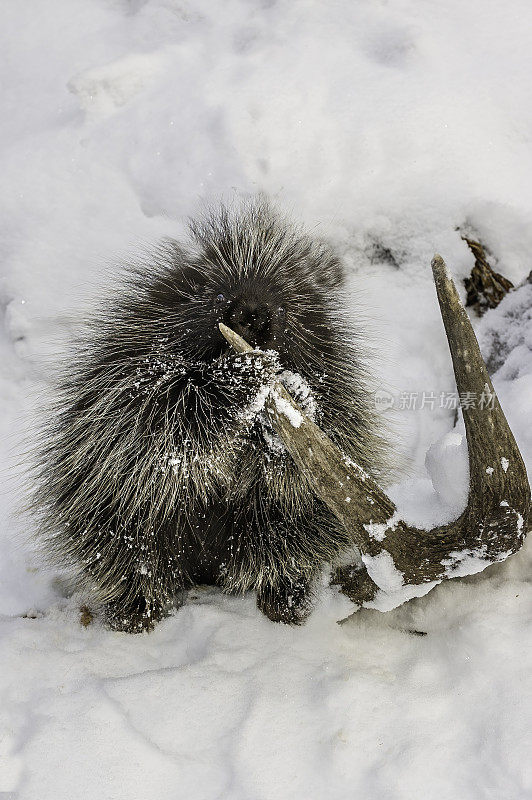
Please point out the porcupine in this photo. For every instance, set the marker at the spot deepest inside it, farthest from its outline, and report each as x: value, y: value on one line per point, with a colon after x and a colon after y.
x: 158, y: 470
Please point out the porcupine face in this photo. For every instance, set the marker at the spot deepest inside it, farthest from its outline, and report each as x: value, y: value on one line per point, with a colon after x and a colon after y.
x: 270, y: 316
x: 275, y: 288
x: 256, y: 313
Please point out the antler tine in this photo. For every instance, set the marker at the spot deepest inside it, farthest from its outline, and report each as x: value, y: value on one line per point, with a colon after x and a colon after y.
x: 497, y: 471
x: 403, y: 561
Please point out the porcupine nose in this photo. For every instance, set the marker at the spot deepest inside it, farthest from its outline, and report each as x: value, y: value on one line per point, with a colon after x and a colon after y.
x: 252, y: 321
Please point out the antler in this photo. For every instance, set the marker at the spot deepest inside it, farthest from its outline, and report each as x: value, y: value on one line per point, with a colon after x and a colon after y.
x: 403, y: 561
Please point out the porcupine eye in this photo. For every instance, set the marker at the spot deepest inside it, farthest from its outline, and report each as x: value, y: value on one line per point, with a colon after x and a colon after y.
x: 220, y: 298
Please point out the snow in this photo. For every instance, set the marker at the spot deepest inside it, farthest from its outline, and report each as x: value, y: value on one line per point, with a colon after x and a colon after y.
x: 447, y: 464
x: 384, y: 127
x: 282, y: 406
x: 378, y: 530
x: 300, y: 391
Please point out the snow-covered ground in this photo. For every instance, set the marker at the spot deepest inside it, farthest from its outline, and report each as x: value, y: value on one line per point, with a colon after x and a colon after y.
x: 384, y: 125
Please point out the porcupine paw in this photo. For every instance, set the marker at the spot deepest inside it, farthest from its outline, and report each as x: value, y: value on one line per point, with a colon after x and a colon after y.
x: 138, y: 616
x: 252, y: 371
x: 287, y: 602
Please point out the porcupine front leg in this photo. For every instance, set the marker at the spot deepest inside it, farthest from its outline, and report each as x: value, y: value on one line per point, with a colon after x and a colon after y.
x: 153, y: 587
x: 287, y: 600
x: 137, y: 615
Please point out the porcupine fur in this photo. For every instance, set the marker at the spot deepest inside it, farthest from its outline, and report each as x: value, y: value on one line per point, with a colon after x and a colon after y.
x: 158, y: 471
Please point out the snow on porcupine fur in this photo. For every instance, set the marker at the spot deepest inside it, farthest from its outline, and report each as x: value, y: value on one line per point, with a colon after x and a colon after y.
x: 157, y: 469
